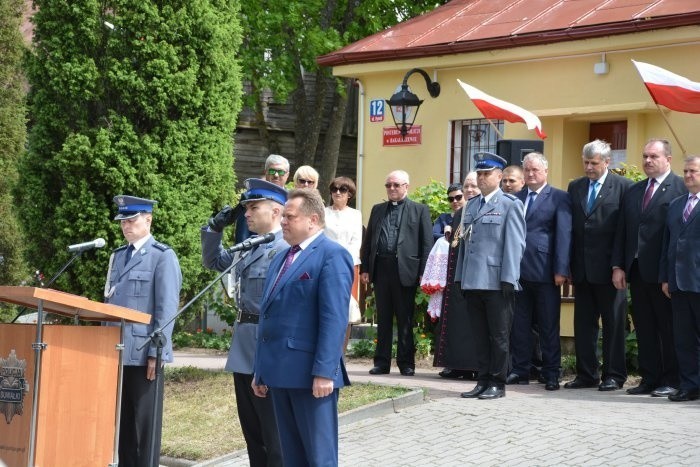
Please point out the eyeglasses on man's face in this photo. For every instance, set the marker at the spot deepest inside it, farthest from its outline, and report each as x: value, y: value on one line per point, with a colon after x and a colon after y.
x: 339, y: 189
x: 452, y: 199
x: 394, y: 185
x: 277, y: 172
x: 304, y: 181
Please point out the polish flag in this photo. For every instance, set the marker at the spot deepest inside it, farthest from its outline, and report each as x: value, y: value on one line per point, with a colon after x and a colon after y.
x: 669, y: 89
x: 497, y: 109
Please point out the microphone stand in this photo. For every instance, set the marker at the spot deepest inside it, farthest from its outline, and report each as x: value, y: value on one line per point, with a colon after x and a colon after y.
x: 75, y: 256
x: 158, y: 339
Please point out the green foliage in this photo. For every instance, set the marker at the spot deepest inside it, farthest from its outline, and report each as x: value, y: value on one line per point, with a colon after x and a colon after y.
x: 202, y: 339
x: 12, y: 137
x: 433, y: 195
x: 363, y: 348
x: 631, y: 171
x: 631, y: 352
x: 146, y: 109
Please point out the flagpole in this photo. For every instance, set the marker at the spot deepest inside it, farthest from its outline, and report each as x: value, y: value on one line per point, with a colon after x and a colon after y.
x: 685, y: 153
x: 500, y: 136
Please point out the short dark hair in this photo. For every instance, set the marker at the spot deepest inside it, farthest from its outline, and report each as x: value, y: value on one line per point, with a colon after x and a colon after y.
x: 454, y: 187
x: 344, y: 182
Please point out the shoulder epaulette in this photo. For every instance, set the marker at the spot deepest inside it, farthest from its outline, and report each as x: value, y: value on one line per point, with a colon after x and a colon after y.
x: 161, y: 246
x: 123, y: 247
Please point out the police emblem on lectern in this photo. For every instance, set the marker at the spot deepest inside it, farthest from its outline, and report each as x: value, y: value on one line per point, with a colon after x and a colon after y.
x: 13, y: 385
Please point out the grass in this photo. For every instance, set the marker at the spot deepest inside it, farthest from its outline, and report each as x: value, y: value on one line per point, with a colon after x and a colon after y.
x: 199, y: 414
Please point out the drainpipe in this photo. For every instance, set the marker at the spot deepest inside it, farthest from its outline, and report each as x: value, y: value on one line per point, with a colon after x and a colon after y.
x: 360, y: 142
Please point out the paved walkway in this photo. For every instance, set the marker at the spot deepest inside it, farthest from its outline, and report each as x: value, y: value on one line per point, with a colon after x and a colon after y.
x: 530, y: 426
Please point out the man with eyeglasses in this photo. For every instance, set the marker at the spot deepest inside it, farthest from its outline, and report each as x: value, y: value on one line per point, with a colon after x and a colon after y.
x: 456, y: 199
x: 277, y: 172
x: 394, y: 251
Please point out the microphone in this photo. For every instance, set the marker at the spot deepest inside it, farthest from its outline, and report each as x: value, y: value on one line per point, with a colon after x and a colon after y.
x: 251, y: 242
x: 80, y: 247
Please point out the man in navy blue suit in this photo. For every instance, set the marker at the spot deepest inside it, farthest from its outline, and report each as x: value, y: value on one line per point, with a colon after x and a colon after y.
x: 543, y: 269
x: 303, y: 318
x: 678, y: 274
x: 635, y: 260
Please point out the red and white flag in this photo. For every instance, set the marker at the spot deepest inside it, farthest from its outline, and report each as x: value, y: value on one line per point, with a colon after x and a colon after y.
x: 497, y: 109
x: 669, y: 89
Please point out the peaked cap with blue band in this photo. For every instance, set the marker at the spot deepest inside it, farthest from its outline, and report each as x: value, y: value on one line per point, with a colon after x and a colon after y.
x: 131, y: 206
x: 487, y: 161
x: 258, y: 189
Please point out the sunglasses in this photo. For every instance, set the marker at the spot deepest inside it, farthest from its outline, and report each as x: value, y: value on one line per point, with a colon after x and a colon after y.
x: 339, y: 189
x: 278, y: 172
x: 303, y: 181
x: 455, y: 198
x: 394, y: 185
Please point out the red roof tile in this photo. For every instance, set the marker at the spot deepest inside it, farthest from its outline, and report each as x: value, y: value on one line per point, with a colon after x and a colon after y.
x: 471, y: 25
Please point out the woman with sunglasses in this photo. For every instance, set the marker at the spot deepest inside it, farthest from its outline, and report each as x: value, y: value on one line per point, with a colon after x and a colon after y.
x: 305, y: 177
x: 456, y: 199
x: 344, y: 225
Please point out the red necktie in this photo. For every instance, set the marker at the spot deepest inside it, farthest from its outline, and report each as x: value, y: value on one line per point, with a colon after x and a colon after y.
x: 648, y: 194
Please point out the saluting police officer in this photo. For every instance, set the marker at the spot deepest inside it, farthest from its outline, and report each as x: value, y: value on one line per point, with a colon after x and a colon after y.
x: 488, y: 268
x: 264, y: 202
x: 143, y: 275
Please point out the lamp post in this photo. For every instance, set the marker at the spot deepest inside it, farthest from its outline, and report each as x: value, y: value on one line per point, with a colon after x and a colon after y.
x: 404, y: 101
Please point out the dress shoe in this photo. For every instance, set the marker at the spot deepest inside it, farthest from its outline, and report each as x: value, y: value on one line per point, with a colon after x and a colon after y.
x: 379, y: 370
x: 408, y: 371
x: 449, y: 373
x: 515, y: 378
x: 493, y: 392
x: 474, y: 393
x: 551, y: 385
x: 684, y: 395
x: 609, y: 384
x: 541, y: 379
x: 643, y: 388
x: 663, y: 391
x: 579, y: 383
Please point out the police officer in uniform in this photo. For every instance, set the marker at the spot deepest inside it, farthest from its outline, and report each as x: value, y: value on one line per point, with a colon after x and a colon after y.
x: 488, y: 268
x: 263, y: 202
x: 143, y: 275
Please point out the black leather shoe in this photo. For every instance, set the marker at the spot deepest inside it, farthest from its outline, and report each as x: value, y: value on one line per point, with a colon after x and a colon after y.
x: 663, y: 391
x: 474, y: 393
x: 515, y: 378
x: 684, y: 395
x: 551, y: 385
x: 379, y: 370
x: 450, y: 373
x: 579, y: 383
x: 609, y: 384
x: 408, y: 371
x: 641, y: 389
x: 493, y: 392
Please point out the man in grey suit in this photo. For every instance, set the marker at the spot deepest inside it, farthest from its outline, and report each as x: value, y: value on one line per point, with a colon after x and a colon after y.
x: 635, y: 260
x: 263, y: 202
x: 596, y: 199
x: 678, y: 273
x: 488, y: 267
x: 394, y: 250
x: 143, y: 275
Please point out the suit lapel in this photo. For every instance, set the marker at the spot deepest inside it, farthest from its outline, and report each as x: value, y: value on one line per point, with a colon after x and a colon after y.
x: 294, y: 270
x: 583, y: 195
x: 136, y: 259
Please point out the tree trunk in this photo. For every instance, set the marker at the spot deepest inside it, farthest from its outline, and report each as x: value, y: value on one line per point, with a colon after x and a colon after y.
x: 334, y: 135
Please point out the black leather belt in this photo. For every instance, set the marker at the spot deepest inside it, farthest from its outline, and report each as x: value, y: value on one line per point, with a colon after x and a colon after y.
x: 244, y: 317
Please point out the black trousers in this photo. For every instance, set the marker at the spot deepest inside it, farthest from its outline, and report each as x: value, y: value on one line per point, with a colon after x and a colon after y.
x: 686, y: 331
x: 653, y: 323
x: 604, y: 302
x: 136, y: 421
x: 393, y: 299
x: 257, y: 418
x: 492, y: 317
x: 540, y: 302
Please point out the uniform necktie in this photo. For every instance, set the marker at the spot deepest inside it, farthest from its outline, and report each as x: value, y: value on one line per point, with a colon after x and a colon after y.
x: 129, y: 254
x: 531, y: 199
x: 648, y: 194
x: 287, y: 263
x: 591, y: 195
x: 481, y: 203
x: 689, y: 206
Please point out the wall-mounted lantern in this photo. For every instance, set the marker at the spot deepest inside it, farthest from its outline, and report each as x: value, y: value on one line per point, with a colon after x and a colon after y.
x: 404, y: 101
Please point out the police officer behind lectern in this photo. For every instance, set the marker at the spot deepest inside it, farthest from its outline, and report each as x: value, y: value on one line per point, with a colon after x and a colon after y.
x: 143, y: 275
x: 263, y: 202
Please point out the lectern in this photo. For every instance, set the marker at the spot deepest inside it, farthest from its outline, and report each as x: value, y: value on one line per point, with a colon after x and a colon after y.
x: 60, y: 385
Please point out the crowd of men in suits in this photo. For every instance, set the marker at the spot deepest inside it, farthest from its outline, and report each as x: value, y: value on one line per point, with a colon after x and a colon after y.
x: 521, y: 239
